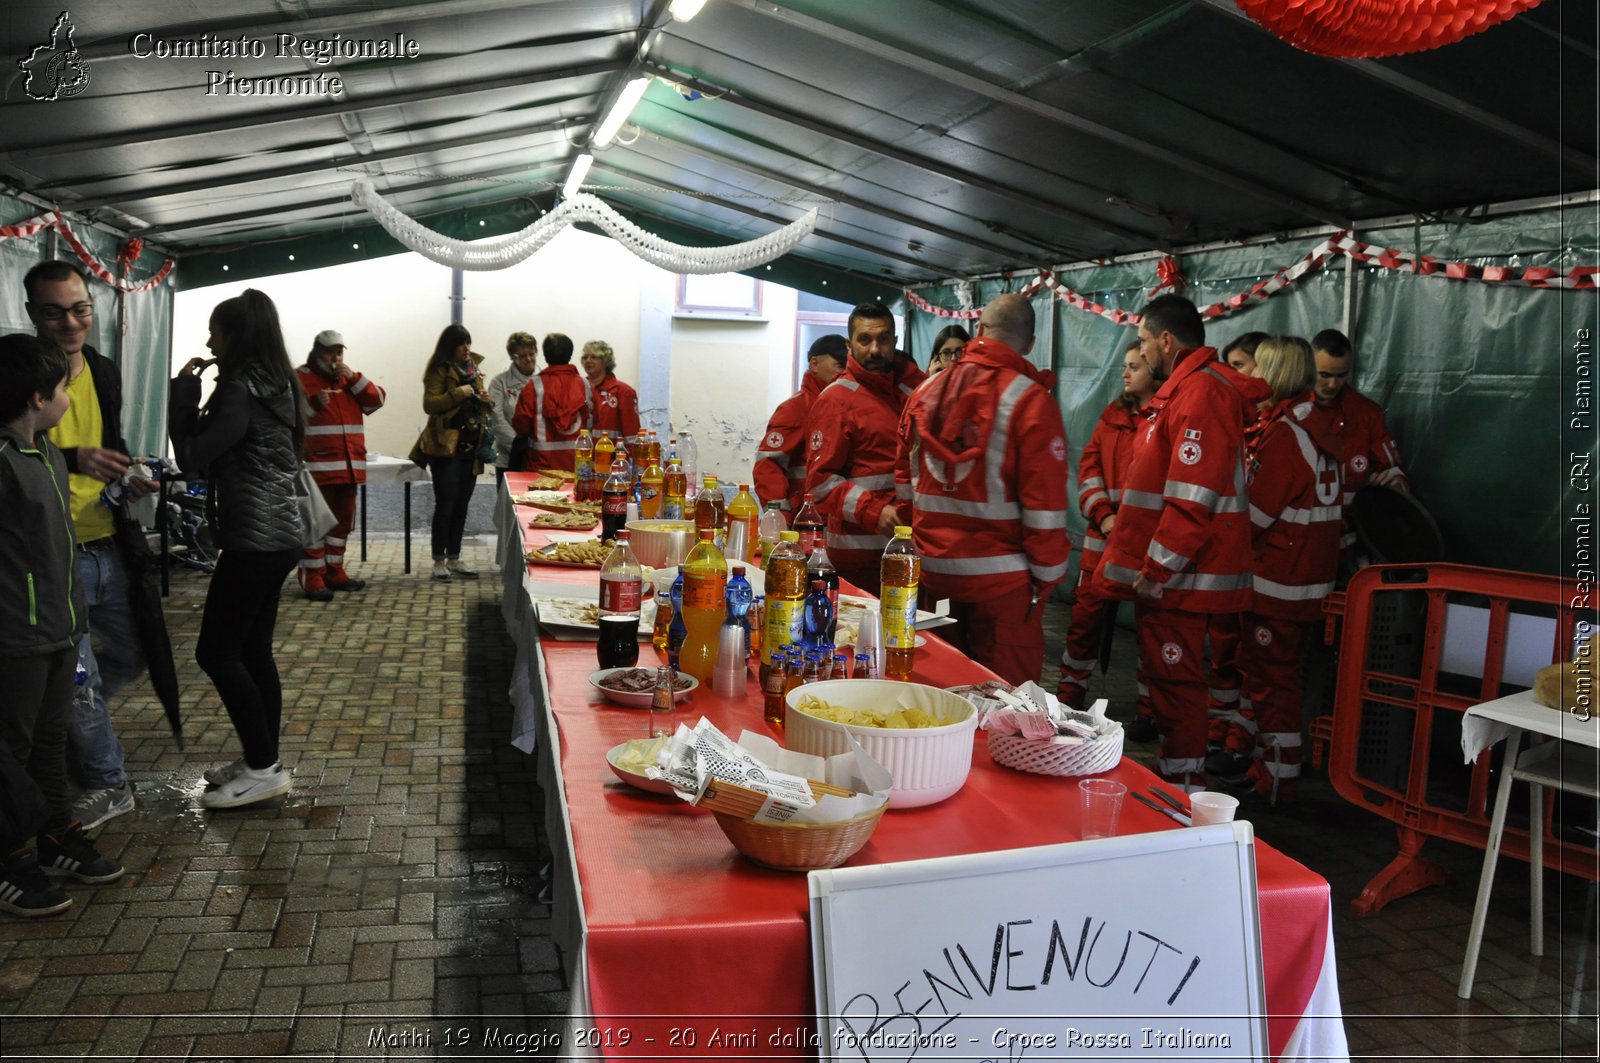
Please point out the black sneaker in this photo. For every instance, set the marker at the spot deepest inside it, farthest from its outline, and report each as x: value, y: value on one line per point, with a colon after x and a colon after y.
x: 25, y: 891
x: 69, y: 852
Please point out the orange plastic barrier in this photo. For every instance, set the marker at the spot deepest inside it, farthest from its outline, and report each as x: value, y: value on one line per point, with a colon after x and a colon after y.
x: 1421, y: 645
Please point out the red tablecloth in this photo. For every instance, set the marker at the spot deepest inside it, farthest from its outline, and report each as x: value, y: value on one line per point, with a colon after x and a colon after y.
x: 681, y: 927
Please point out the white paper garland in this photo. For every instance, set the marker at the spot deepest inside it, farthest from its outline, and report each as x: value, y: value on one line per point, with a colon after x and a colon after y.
x: 508, y: 250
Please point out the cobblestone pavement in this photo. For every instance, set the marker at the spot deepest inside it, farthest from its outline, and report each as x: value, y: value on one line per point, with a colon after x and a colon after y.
x: 396, y: 889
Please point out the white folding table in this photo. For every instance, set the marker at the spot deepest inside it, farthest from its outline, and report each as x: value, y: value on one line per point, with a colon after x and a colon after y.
x: 1568, y: 764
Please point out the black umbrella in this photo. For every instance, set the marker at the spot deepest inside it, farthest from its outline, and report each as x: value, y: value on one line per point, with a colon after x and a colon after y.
x: 144, y: 600
x: 1108, y: 629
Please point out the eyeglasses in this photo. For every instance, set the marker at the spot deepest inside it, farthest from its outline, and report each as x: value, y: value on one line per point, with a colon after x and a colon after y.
x: 52, y: 312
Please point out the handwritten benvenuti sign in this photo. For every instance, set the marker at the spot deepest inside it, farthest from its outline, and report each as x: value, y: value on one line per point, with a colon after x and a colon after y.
x: 1145, y: 947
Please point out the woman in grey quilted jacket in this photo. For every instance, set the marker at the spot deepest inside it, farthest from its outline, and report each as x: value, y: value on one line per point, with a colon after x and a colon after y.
x: 246, y: 443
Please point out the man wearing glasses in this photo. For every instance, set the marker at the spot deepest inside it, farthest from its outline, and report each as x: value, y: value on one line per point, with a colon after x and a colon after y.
x: 90, y: 437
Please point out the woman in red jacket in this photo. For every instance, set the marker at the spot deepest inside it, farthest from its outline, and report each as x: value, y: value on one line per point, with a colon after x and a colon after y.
x: 1296, y: 493
x: 1100, y: 475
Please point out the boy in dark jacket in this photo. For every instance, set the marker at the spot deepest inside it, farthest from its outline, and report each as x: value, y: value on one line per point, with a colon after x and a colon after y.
x: 41, y: 620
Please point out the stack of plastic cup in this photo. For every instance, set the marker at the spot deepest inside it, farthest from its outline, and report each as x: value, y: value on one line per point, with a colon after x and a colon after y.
x: 869, y: 638
x: 730, y: 675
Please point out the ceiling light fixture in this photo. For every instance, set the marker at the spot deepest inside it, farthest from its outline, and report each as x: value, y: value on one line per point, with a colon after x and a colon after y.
x: 580, y: 170
x: 684, y: 10
x: 629, y: 98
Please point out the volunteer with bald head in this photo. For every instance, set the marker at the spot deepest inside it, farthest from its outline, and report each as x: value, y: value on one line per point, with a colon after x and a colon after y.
x: 982, y: 469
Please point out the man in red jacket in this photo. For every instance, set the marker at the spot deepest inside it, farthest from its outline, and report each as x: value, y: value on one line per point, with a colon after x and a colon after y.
x: 983, y: 463
x: 1353, y: 426
x: 336, y: 455
x: 554, y: 407
x: 851, y: 440
x: 780, y: 470
x: 1180, y: 547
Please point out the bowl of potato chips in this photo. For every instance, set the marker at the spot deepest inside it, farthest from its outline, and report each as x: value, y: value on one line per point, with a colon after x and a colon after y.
x: 656, y: 540
x: 922, y: 734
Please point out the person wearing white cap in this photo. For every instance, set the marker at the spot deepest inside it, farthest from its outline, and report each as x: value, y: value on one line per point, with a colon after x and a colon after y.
x: 338, y: 398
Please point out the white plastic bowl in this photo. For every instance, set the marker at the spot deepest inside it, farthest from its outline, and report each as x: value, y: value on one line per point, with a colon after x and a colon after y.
x: 928, y: 764
x: 652, y: 537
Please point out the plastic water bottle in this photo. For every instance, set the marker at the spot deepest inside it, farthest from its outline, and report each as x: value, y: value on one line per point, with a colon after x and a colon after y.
x: 818, y: 615
x: 740, y: 596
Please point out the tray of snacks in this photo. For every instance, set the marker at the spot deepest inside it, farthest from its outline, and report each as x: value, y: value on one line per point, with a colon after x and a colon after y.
x: 636, y: 687
x: 578, y: 619
x: 579, y: 553
x: 1030, y: 730
x: 567, y: 518
x: 543, y: 497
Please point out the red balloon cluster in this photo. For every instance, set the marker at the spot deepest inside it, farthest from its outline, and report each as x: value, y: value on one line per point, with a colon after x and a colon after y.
x: 1371, y: 29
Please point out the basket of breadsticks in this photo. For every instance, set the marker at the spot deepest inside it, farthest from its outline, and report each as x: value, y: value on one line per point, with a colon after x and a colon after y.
x: 1030, y: 730
x: 781, y: 809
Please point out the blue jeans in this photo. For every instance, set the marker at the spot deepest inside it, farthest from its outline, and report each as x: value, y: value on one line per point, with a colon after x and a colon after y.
x: 453, y: 481
x: 113, y: 657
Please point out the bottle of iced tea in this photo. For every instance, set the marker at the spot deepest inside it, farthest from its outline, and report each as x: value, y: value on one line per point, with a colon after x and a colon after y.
x: 901, y: 573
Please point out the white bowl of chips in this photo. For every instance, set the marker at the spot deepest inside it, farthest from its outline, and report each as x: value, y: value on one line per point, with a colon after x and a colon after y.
x: 922, y: 734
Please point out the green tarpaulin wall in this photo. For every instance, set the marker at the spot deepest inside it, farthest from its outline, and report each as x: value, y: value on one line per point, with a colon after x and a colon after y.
x: 1480, y: 381
x: 137, y: 335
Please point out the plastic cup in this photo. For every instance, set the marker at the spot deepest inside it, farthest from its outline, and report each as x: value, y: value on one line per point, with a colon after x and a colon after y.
x: 1208, y: 807
x: 1102, y: 805
x: 730, y: 674
x: 869, y: 638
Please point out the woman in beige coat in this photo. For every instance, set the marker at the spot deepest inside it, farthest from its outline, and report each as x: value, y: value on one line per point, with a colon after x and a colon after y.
x: 456, y: 399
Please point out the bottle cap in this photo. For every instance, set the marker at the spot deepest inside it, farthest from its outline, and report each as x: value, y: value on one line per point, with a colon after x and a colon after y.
x: 902, y: 531
x: 744, y: 487
x: 622, y: 535
x: 789, y: 536
x: 707, y: 534
x: 818, y: 585
x: 738, y: 570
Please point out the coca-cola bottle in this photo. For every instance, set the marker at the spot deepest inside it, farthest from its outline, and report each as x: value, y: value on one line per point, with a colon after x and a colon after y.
x: 621, y: 579
x: 614, y: 501
x: 808, y: 522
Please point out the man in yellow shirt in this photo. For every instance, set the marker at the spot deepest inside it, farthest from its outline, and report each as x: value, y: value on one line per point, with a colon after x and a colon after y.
x: 90, y: 437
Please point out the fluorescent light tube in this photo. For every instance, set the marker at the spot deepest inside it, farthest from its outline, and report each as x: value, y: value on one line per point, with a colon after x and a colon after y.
x: 580, y: 170
x: 620, y: 111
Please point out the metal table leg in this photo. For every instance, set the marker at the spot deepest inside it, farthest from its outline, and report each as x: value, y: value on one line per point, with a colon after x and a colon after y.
x: 363, y: 520
x: 408, y: 527
x: 1491, y: 856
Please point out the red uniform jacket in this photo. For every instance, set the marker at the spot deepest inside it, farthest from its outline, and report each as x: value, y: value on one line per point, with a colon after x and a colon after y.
x: 851, y: 438
x: 1296, y: 492
x: 1184, y: 520
x: 780, y: 470
x: 616, y: 408
x: 553, y: 408
x: 336, y: 441
x: 983, y: 462
x: 1101, y: 473
x: 1355, y: 432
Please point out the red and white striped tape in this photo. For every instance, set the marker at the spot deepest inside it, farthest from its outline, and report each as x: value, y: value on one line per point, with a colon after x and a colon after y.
x: 1341, y: 243
x: 33, y: 226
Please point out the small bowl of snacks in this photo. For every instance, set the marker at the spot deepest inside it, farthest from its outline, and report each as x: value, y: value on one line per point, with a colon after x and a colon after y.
x: 635, y: 687
x: 922, y: 734
x: 1030, y: 731
x: 630, y: 760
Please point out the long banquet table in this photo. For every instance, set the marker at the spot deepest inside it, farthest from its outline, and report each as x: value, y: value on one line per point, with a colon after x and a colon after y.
x: 670, y: 935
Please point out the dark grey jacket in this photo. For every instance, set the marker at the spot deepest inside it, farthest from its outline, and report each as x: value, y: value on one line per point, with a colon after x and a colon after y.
x: 246, y: 443
x: 41, y: 604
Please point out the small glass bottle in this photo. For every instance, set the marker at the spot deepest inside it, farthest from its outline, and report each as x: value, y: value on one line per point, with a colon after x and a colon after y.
x: 661, y: 699
x: 864, y: 668
x: 841, y: 666
x: 773, y: 687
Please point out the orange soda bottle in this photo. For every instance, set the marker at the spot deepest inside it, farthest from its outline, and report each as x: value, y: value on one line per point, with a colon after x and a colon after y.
x: 901, y: 573
x: 744, y: 525
x: 604, y: 450
x: 705, y: 588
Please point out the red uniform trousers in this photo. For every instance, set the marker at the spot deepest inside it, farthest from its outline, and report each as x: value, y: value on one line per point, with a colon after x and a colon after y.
x: 324, y: 565
x: 1231, y: 722
x: 866, y: 577
x: 1172, y: 667
x: 999, y: 634
x: 1269, y: 661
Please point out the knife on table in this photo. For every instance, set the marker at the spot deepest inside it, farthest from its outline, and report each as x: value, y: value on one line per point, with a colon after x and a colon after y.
x: 1175, y: 816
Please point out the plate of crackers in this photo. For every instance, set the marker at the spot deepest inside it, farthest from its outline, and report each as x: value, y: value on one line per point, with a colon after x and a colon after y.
x: 571, y: 518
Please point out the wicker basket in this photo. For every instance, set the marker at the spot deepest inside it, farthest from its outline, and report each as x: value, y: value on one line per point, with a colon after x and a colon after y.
x: 1044, y: 757
x: 799, y: 846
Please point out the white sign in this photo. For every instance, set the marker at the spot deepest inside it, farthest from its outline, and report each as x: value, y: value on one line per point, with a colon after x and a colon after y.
x: 1146, y: 947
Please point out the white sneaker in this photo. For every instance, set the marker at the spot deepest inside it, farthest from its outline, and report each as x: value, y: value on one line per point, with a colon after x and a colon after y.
x: 459, y: 569
x: 248, y: 787
x: 218, y: 776
x: 441, y: 573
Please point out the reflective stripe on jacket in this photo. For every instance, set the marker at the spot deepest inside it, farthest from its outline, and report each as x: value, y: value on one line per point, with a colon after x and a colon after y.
x: 1296, y: 487
x: 779, y: 474
x: 851, y: 438
x: 1184, y: 520
x: 984, y: 455
x: 554, y: 407
x: 336, y: 440
x: 1101, y: 473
